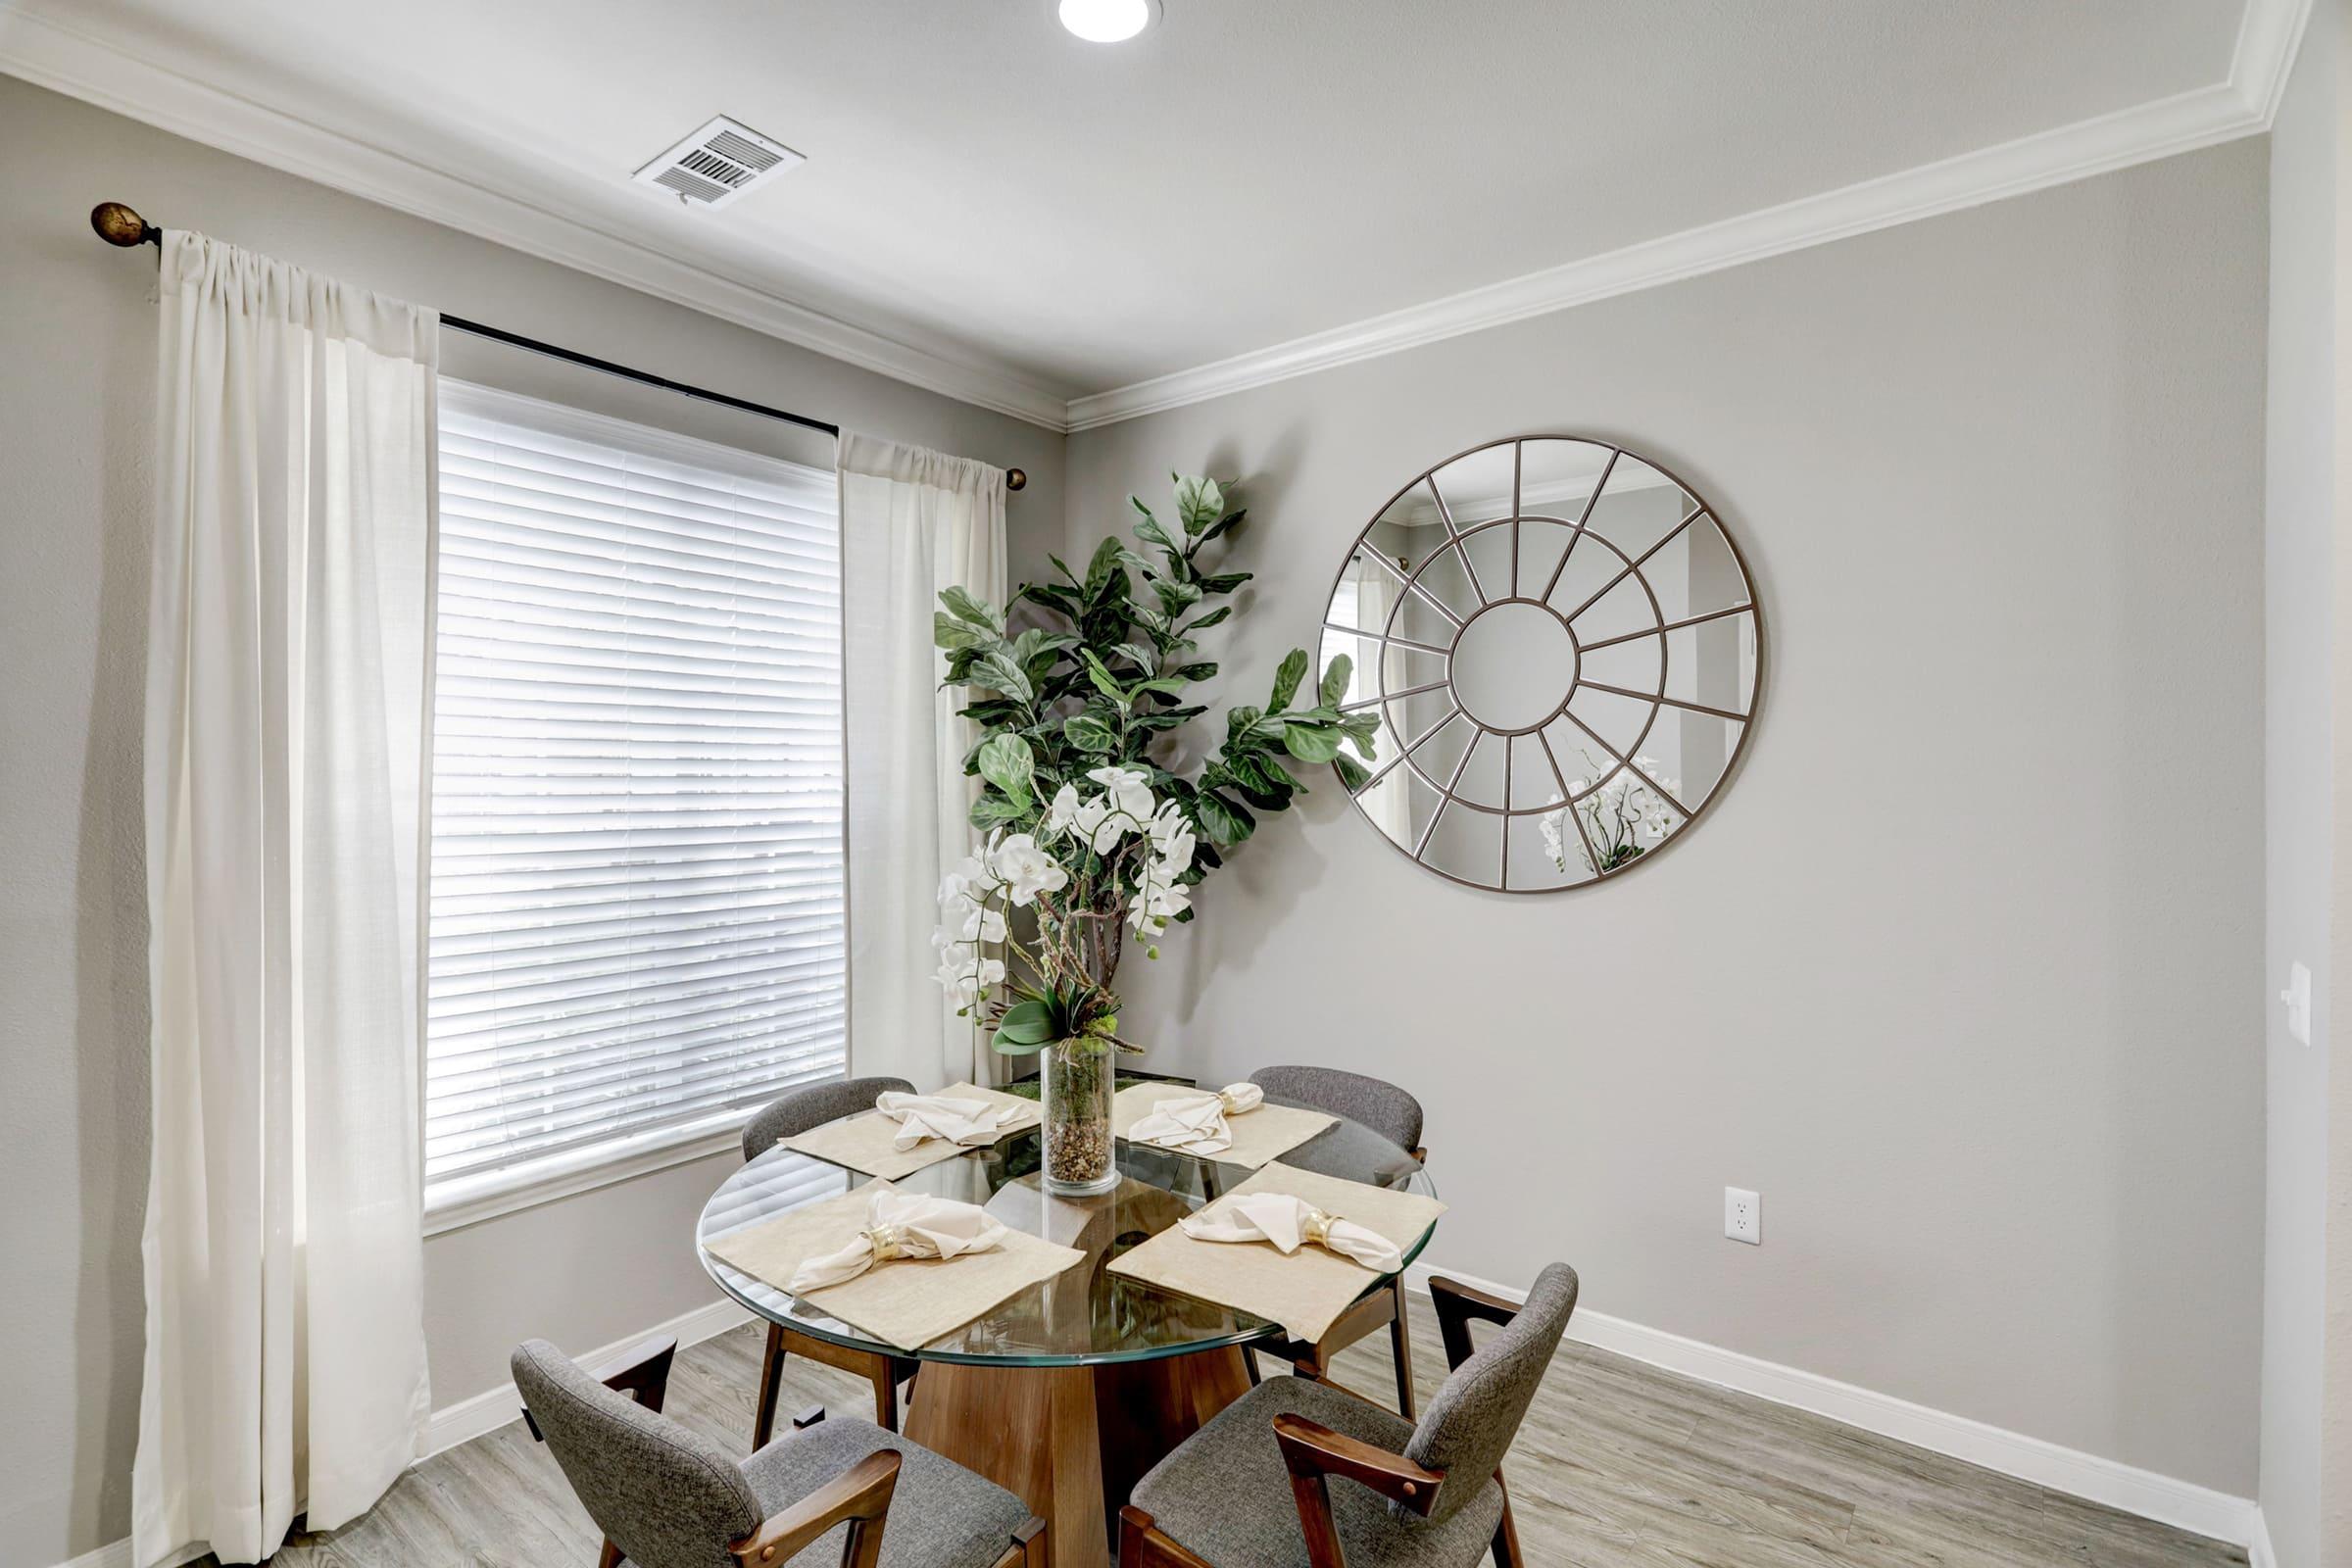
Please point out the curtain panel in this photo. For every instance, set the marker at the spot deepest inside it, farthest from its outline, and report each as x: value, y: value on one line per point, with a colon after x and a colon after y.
x: 912, y: 523
x: 286, y: 734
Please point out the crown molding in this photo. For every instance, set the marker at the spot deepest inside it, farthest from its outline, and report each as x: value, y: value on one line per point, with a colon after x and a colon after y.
x: 71, y: 60
x: 68, y: 58
x: 2242, y: 106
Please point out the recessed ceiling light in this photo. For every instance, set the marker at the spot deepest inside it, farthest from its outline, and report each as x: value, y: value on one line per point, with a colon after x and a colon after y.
x: 1106, y: 21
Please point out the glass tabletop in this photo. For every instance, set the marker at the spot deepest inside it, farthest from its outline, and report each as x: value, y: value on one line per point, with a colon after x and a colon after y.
x: 1085, y: 1314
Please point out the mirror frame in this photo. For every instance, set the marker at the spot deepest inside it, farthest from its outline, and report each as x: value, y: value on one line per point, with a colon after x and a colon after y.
x: 1753, y: 606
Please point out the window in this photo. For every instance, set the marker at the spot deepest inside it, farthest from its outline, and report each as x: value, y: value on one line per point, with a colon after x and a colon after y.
x: 637, y: 918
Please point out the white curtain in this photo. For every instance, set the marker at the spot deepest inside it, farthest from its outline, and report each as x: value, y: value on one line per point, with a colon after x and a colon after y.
x: 912, y: 523
x: 286, y: 726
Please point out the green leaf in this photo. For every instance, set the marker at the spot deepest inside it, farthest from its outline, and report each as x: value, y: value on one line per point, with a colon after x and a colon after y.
x: 950, y: 633
x: 1001, y: 675
x: 1026, y: 1023
x: 1102, y: 677
x: 1310, y: 742
x: 993, y: 811
x: 1352, y: 773
x: 1211, y: 618
x: 1335, y: 679
x: 1011, y: 1049
x: 1199, y: 502
x: 1089, y: 734
x: 1225, y: 582
x: 1231, y: 520
x: 1103, y: 570
x: 1227, y: 823
x: 965, y: 608
x: 1151, y: 533
x: 1286, y: 677
x: 1006, y: 761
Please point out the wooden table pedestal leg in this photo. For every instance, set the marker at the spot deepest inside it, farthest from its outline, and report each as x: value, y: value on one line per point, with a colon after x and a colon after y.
x: 1071, y: 1442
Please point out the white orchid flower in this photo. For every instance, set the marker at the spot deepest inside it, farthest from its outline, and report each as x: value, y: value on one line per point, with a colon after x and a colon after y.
x: 1027, y: 870
x: 1154, y: 905
x: 1129, y: 789
x: 1065, y: 809
x: 1101, y: 824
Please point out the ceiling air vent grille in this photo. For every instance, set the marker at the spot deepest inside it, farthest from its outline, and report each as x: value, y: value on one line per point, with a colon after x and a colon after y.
x: 718, y: 164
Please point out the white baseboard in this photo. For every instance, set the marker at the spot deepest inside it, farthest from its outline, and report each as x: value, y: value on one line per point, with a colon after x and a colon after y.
x: 469, y: 1418
x: 117, y: 1554
x: 2259, y: 1551
x: 2182, y: 1503
x: 492, y: 1408
x: 2198, y: 1509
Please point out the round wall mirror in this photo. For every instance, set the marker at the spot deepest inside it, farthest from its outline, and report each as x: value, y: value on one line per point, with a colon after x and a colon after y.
x: 1565, y: 649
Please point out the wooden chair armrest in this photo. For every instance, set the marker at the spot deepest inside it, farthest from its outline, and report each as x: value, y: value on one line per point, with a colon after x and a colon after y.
x: 859, y: 1496
x: 1457, y: 1306
x: 642, y: 1371
x: 1314, y: 1450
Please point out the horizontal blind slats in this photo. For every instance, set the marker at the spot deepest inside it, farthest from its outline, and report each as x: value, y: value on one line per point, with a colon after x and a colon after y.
x: 637, y: 902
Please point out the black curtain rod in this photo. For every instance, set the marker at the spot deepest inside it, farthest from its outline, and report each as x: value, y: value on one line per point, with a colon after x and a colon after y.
x: 118, y: 224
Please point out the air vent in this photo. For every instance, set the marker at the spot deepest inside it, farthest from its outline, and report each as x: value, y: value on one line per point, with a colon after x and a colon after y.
x: 718, y: 164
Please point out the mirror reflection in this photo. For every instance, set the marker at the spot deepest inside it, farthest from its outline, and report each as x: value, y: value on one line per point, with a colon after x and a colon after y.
x: 1563, y: 645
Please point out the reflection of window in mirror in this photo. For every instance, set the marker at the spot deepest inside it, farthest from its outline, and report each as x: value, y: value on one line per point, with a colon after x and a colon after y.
x: 1363, y: 600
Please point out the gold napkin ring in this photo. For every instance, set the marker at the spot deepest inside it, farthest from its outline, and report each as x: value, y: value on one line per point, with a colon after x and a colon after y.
x: 1315, y: 1226
x: 1225, y: 1101
x: 886, y: 1241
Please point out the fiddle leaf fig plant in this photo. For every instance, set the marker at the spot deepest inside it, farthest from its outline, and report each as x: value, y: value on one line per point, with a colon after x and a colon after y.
x: 1083, y: 821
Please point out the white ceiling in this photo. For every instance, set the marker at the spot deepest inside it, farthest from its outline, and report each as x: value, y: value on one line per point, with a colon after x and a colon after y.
x: 987, y: 191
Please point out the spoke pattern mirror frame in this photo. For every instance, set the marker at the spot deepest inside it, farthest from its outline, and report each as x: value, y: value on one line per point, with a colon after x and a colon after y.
x: 1566, y: 650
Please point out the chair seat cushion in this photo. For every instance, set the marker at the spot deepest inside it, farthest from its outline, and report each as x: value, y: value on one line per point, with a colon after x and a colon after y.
x: 941, y: 1514
x: 1226, y: 1494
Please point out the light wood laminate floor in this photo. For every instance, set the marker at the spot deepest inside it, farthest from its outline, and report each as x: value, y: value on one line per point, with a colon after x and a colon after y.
x: 1619, y: 1466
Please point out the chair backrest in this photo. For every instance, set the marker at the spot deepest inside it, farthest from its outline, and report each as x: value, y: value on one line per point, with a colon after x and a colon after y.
x: 793, y: 1114
x: 666, y: 1497
x: 1469, y: 1424
x: 1374, y: 1102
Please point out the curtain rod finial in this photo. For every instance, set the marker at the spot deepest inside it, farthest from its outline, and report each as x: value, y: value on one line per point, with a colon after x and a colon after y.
x: 118, y: 224
x: 1016, y: 480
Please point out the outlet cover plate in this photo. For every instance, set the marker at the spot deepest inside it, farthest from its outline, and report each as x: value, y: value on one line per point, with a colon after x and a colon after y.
x: 1744, y: 1217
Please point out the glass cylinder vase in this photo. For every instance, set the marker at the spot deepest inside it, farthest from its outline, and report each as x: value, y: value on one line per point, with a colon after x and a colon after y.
x: 1077, y: 1079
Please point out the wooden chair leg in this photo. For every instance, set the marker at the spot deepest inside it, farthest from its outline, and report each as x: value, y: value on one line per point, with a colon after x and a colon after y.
x: 1400, y: 1342
x: 885, y: 1379
x: 609, y: 1557
x: 771, y: 1388
x: 1506, y: 1534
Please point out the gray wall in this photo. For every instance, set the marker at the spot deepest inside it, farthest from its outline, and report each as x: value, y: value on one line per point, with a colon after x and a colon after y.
x: 1964, y: 972
x: 76, y: 391
x: 2300, y: 793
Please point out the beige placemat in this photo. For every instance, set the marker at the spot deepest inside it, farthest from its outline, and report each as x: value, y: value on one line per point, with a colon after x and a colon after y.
x: 863, y: 1142
x: 907, y: 1301
x: 1305, y: 1292
x: 1265, y: 1134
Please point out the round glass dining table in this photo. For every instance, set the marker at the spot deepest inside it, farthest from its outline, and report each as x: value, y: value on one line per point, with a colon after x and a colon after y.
x: 1069, y: 1390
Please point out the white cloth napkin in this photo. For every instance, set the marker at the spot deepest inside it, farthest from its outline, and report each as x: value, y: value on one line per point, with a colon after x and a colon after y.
x: 903, y: 1225
x: 1289, y: 1223
x: 1196, y: 1123
x: 924, y: 1116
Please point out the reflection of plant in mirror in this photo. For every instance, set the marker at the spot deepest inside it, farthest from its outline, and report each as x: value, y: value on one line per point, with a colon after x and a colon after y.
x: 1617, y: 817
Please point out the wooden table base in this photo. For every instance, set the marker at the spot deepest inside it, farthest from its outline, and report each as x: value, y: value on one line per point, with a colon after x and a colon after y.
x: 1071, y: 1442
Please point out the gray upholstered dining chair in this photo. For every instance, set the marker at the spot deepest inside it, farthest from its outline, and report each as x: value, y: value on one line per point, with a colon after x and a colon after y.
x: 833, y: 1491
x: 788, y: 1115
x: 1252, y: 1489
x: 1395, y: 1115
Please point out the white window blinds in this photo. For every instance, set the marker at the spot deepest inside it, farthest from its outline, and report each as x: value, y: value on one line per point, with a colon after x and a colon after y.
x: 637, y: 882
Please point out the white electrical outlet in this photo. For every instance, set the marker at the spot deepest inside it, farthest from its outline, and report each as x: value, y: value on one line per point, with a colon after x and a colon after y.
x: 1744, y: 1217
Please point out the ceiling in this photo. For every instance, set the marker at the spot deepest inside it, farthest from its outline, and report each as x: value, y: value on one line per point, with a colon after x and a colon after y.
x: 1005, y: 202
